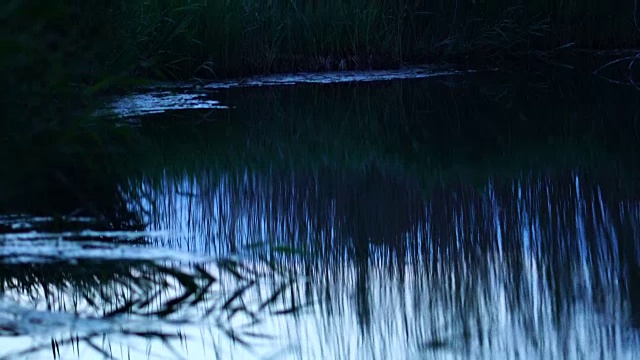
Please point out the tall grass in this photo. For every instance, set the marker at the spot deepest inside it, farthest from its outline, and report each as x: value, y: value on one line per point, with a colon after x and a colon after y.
x: 178, y: 38
x: 84, y: 43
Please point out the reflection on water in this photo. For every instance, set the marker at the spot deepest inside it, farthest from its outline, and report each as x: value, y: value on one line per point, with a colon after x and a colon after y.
x: 433, y: 218
x: 535, y: 267
x: 134, y: 309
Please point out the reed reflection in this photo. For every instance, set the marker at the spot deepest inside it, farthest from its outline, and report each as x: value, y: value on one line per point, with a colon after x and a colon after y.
x: 542, y: 265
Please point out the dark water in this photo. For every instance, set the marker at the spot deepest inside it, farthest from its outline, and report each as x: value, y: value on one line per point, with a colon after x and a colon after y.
x: 457, y: 216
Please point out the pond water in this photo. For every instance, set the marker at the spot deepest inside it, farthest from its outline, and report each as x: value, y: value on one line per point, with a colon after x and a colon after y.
x: 417, y: 214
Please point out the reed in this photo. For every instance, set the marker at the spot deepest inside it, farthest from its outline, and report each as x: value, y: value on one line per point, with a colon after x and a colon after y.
x: 104, y: 42
x: 182, y: 38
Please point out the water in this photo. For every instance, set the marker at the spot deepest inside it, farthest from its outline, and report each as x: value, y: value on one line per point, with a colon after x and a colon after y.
x: 440, y: 215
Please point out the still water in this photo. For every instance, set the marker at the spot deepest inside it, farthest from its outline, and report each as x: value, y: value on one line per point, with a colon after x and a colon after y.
x: 418, y: 215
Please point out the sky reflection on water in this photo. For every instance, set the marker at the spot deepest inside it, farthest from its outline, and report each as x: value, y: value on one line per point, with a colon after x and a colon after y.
x: 447, y: 217
x: 537, y: 267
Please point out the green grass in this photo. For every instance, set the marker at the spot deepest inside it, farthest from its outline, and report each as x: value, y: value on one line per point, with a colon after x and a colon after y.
x: 52, y: 55
x: 180, y: 38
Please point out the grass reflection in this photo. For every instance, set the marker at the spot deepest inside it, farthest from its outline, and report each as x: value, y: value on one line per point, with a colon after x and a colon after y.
x: 431, y: 219
x: 540, y: 265
x: 426, y: 219
x: 104, y: 305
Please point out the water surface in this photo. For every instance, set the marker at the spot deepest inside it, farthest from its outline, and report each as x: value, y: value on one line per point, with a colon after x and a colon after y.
x: 478, y: 215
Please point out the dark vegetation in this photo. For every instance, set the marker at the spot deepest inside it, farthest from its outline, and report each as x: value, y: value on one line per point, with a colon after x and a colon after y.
x: 53, y: 50
x: 229, y: 38
x: 53, y: 155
